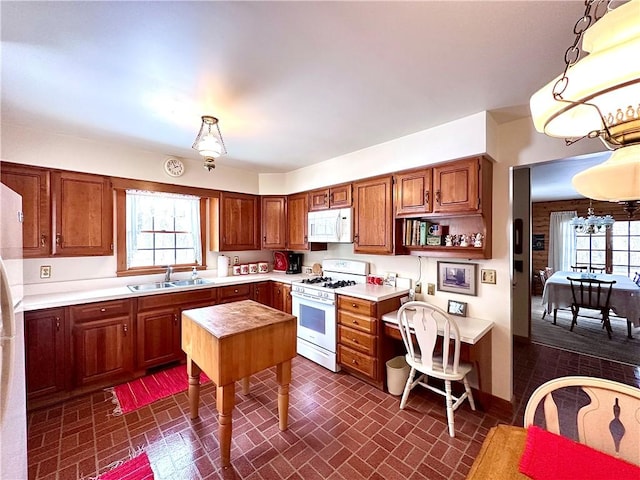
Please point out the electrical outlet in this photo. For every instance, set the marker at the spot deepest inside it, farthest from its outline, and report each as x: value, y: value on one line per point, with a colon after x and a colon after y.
x: 236, y: 259
x: 431, y: 289
x: 45, y: 271
x: 418, y: 287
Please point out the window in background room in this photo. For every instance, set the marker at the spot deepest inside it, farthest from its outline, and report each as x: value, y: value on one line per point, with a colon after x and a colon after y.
x: 591, y: 250
x: 625, y: 247
x: 162, y: 229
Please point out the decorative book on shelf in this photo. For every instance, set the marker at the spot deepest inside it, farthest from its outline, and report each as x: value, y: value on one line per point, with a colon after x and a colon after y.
x: 416, y: 233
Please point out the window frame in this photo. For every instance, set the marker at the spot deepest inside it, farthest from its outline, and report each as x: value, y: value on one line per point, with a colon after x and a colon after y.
x: 608, y: 249
x: 121, y: 228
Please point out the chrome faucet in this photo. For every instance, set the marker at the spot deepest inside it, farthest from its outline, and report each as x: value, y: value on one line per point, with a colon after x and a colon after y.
x: 167, y: 274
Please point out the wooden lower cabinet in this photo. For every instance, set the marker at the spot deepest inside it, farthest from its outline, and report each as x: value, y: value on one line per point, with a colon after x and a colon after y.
x: 361, y: 350
x: 262, y: 292
x: 103, y: 341
x: 234, y: 293
x: 281, y: 297
x: 45, y: 351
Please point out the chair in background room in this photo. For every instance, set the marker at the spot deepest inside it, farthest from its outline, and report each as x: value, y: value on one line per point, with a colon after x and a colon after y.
x: 423, y: 319
x: 636, y: 278
x: 591, y: 294
x: 609, y: 423
x: 598, y: 269
x: 579, y: 268
x: 542, y: 274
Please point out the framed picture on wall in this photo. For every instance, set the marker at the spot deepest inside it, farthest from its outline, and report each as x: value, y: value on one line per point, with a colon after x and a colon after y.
x: 537, y: 241
x: 457, y: 277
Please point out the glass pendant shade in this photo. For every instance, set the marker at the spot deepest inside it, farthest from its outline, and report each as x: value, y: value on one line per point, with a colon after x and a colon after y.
x: 615, y: 180
x: 591, y: 224
x: 608, y: 77
x: 209, y: 141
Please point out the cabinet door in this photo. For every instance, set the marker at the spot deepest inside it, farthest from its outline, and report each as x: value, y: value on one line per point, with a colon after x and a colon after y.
x: 297, y: 207
x: 319, y: 199
x: 103, y: 349
x: 239, y: 222
x: 281, y: 297
x: 274, y: 226
x: 413, y: 192
x: 45, y: 332
x: 262, y: 293
x: 158, y: 339
x: 373, y: 216
x: 83, y: 214
x: 340, y: 196
x: 456, y: 187
x: 33, y: 184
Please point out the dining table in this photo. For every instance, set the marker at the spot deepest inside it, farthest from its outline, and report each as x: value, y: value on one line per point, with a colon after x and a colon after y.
x: 230, y: 342
x: 624, y: 301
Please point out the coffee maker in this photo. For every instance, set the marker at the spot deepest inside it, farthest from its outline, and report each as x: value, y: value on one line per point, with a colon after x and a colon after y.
x: 295, y: 262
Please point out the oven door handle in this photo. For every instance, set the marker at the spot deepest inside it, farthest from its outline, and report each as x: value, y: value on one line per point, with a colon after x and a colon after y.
x: 323, y: 301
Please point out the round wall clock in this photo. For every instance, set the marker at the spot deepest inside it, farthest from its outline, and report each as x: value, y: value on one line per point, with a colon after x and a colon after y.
x: 173, y: 166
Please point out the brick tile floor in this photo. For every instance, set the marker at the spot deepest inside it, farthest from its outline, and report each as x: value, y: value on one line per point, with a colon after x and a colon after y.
x: 339, y: 428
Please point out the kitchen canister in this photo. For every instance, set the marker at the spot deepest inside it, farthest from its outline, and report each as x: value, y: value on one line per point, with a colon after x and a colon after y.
x: 244, y: 269
x: 253, y: 268
x: 263, y: 267
x: 223, y: 266
x: 236, y: 269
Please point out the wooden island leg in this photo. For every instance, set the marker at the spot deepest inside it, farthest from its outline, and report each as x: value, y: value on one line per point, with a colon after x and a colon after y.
x: 193, y: 372
x: 283, y: 375
x: 224, y: 402
x: 246, y: 385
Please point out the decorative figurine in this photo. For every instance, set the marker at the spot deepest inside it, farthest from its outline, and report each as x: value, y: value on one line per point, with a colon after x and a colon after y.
x: 463, y: 241
x: 477, y: 242
x: 448, y: 241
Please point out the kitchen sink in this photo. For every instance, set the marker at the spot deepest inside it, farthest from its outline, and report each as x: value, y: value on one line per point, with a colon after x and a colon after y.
x: 159, y: 285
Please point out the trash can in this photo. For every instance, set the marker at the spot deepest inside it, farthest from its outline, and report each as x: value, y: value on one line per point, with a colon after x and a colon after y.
x: 397, y: 375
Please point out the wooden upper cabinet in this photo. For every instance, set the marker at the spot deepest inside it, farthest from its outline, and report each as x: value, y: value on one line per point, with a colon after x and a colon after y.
x: 33, y: 184
x: 235, y: 222
x: 373, y: 216
x: 297, y: 207
x: 274, y: 222
x: 456, y: 186
x: 82, y: 214
x: 413, y: 193
x: 338, y: 196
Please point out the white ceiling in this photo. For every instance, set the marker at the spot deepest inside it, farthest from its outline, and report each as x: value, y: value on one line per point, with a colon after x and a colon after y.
x: 293, y: 83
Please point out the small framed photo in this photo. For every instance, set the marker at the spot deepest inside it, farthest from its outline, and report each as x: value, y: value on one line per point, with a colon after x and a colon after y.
x: 488, y: 276
x: 457, y: 308
x: 457, y: 277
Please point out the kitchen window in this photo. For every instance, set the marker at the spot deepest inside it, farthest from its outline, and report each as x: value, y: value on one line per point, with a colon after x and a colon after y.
x: 618, y: 248
x: 159, y: 229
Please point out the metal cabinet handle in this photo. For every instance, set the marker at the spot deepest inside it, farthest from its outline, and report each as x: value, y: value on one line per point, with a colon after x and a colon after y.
x: 103, y: 309
x: 354, y: 322
x: 235, y: 291
x: 43, y: 240
x: 426, y: 197
x: 58, y: 324
x: 58, y: 239
x: 125, y: 328
x: 354, y: 340
x: 354, y: 361
x: 438, y: 197
x: 265, y: 238
x: 175, y: 319
x: 354, y: 305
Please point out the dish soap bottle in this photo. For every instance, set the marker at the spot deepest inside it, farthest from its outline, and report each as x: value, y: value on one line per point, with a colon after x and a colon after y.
x: 194, y: 273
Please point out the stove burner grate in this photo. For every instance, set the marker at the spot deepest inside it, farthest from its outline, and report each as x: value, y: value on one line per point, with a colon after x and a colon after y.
x: 316, y: 280
x: 339, y: 284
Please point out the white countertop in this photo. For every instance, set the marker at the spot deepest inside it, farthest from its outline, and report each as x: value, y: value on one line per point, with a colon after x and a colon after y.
x: 471, y: 329
x: 375, y: 293
x: 80, y: 292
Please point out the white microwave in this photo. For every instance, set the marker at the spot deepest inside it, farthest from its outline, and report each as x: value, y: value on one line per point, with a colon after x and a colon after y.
x: 330, y: 226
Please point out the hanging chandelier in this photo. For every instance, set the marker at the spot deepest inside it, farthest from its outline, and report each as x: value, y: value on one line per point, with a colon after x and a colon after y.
x: 592, y: 224
x: 598, y: 96
x: 209, y: 142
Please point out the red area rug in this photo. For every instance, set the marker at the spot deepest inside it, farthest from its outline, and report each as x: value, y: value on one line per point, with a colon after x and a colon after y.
x: 138, y: 468
x: 145, y: 390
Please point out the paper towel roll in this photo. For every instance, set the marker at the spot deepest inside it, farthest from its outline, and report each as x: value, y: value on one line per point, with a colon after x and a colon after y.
x: 223, y: 266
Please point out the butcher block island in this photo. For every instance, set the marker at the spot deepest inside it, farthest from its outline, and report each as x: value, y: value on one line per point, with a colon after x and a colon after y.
x: 230, y: 342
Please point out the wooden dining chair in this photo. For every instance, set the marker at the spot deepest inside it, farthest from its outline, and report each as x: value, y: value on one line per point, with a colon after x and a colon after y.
x: 609, y: 422
x: 598, y: 269
x: 636, y: 278
x: 542, y: 274
x: 579, y: 268
x: 443, y: 364
x: 591, y: 294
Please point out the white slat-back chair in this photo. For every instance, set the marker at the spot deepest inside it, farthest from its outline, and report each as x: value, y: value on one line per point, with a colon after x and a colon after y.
x: 423, y: 319
x: 610, y: 423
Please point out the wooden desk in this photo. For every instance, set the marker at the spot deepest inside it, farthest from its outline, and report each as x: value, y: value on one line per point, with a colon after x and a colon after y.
x: 625, y: 295
x: 230, y: 342
x: 475, y: 338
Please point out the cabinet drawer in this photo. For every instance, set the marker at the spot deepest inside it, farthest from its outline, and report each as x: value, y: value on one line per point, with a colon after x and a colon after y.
x: 357, y: 340
x: 231, y: 293
x: 357, y: 305
x: 365, y: 324
x: 95, y: 311
x: 357, y: 361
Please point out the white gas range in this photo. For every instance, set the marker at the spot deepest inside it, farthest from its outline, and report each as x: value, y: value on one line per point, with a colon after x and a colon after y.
x: 314, y: 304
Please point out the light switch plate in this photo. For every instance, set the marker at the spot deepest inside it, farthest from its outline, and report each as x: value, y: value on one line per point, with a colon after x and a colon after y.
x: 236, y: 260
x: 431, y: 289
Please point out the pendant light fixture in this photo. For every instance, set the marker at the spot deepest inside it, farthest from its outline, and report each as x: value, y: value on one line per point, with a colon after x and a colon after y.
x: 598, y: 95
x: 592, y: 224
x: 209, y: 142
